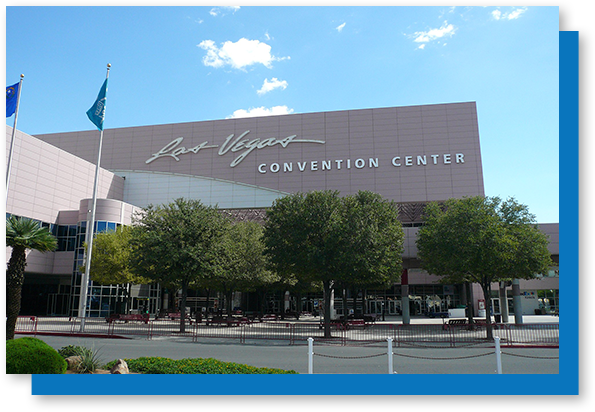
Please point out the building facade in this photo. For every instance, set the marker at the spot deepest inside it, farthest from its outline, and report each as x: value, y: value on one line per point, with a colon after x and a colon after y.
x: 412, y: 155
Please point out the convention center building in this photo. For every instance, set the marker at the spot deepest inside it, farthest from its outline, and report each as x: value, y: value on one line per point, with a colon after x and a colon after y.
x: 412, y: 155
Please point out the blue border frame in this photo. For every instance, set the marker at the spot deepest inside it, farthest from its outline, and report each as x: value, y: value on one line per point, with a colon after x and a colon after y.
x: 565, y: 383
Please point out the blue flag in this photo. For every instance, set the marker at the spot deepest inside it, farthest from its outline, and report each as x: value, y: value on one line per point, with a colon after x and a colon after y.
x: 97, y: 112
x: 12, y: 96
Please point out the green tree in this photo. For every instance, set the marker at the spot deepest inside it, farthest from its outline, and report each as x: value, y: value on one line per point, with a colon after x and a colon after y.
x: 320, y: 236
x: 243, y: 264
x: 22, y: 234
x: 178, y: 244
x: 482, y: 240
x: 373, y: 237
x: 110, y: 264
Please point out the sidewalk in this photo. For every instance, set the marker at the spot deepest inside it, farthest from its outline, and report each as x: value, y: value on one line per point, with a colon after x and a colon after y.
x: 427, y: 320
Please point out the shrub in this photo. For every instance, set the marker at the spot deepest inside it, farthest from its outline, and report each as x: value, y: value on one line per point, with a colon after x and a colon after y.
x: 32, y: 356
x: 156, y: 365
x: 70, y: 350
x: 89, y: 357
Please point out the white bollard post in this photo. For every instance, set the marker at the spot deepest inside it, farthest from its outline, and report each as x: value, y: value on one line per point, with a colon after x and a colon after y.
x: 310, y: 356
x: 390, y: 355
x: 498, y: 355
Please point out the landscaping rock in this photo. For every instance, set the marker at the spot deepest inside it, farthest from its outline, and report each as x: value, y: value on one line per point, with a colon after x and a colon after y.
x: 73, y: 362
x: 121, y: 368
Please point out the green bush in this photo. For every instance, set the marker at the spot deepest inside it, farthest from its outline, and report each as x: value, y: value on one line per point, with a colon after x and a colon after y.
x: 89, y: 357
x: 156, y: 365
x: 70, y: 350
x: 32, y: 356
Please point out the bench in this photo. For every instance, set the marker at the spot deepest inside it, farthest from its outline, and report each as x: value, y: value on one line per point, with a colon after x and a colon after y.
x: 355, y: 323
x: 116, y: 317
x: 454, y: 322
x: 479, y: 323
x: 288, y: 315
x: 457, y: 322
x: 368, y: 318
x: 228, y: 321
x: 437, y: 314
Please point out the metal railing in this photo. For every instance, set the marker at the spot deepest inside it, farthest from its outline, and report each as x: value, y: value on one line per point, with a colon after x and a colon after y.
x: 297, y: 332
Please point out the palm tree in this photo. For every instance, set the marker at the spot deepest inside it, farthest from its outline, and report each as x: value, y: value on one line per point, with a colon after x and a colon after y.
x: 21, y: 234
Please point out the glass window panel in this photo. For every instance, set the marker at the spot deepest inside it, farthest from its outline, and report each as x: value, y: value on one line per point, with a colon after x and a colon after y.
x: 101, y: 226
x: 62, y: 231
x: 70, y: 246
x: 111, y: 226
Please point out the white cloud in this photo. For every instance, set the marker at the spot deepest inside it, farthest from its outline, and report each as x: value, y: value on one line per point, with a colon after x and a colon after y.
x: 260, y: 111
x: 513, y: 15
x: 268, y: 86
x: 447, y: 30
x: 422, y: 46
x: 215, y: 11
x: 340, y: 27
x: 238, y: 55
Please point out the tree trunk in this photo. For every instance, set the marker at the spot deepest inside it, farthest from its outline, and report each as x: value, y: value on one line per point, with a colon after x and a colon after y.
x: 15, y: 275
x: 208, y: 299
x: 327, y: 288
x: 228, y: 302
x: 183, y: 309
x: 298, y: 304
x: 486, y: 287
x: 469, y: 287
x: 262, y: 303
x: 345, y: 310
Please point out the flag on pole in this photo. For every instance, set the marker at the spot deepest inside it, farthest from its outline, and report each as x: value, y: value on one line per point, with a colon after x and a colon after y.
x: 12, y: 96
x: 97, y: 112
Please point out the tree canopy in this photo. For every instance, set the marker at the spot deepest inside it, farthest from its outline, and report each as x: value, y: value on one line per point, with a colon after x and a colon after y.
x: 243, y: 263
x: 483, y: 240
x: 178, y: 244
x: 320, y: 236
x: 110, y: 264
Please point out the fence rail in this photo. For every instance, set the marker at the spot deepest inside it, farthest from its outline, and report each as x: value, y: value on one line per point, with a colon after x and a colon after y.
x: 297, y: 333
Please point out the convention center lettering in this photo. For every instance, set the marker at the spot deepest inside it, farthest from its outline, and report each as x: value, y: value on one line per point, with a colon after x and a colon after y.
x: 246, y: 146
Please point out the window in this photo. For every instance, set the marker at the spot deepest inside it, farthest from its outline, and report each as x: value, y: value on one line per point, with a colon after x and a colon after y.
x: 66, y: 235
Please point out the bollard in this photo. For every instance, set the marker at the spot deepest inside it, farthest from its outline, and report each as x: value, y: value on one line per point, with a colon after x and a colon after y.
x: 390, y: 355
x: 310, y: 356
x: 498, y: 355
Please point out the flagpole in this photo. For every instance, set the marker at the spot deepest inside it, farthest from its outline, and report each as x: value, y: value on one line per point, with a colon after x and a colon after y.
x: 90, y: 229
x: 14, y: 128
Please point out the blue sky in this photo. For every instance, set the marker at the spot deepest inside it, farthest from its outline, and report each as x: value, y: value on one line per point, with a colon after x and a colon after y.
x: 183, y: 64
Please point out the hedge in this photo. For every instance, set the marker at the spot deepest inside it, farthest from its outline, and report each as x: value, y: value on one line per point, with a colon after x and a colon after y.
x: 157, y: 365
